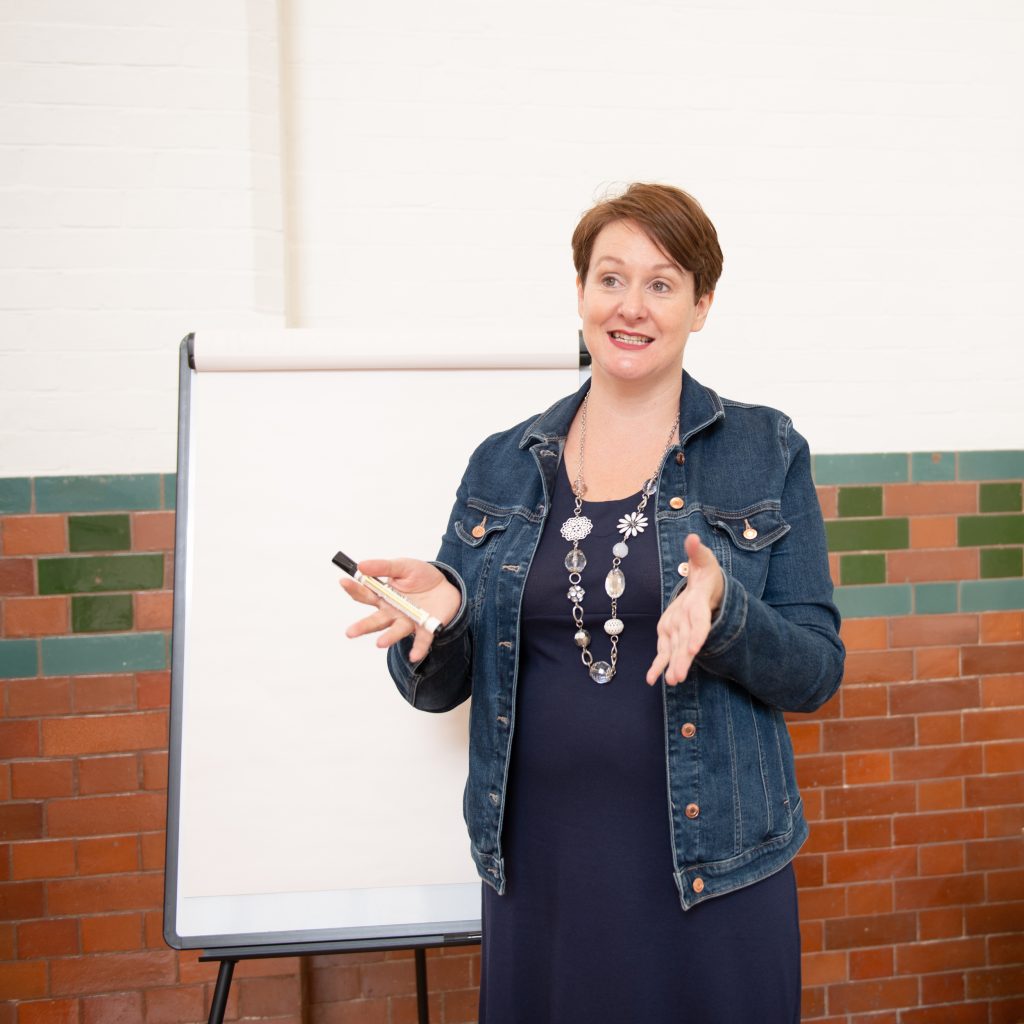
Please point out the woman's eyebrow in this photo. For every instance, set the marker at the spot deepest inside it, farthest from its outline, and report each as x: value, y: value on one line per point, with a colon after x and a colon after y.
x: 657, y: 266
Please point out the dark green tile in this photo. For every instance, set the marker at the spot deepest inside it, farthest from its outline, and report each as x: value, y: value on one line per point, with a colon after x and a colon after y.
x: 986, y: 531
x: 19, y: 659
x: 860, y: 501
x: 108, y: 613
x: 92, y: 655
x: 170, y: 490
x: 97, y: 493
x: 99, y: 533
x: 935, y: 598
x: 991, y: 595
x: 870, y: 602
x: 991, y: 465
x: 886, y: 468
x: 860, y: 569
x: 867, y: 534
x: 15, y: 495
x: 999, y: 498
x: 999, y: 562
x: 89, y: 575
x: 932, y: 467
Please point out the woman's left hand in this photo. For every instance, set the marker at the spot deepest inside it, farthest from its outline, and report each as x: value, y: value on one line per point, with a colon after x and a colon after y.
x: 685, y: 624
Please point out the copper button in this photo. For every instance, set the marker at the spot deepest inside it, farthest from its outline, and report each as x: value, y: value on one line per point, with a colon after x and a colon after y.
x: 698, y: 885
x: 692, y: 810
x: 680, y: 458
x: 480, y: 529
x: 689, y: 730
x: 677, y: 502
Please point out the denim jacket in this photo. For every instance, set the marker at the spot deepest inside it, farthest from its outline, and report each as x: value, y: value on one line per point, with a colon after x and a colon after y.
x: 743, y: 475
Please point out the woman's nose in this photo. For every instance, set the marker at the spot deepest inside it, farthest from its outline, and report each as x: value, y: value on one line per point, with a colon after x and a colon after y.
x: 632, y: 306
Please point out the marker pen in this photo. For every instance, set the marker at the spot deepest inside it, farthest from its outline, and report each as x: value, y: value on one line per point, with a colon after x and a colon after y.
x: 388, y: 595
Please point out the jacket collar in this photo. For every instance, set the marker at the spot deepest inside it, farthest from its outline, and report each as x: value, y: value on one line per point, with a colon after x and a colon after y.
x: 699, y: 407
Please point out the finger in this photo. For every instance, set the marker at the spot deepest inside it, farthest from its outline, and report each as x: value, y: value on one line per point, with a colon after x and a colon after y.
x: 358, y: 592
x: 421, y: 645
x: 699, y: 554
x: 371, y: 624
x: 399, y: 628
x: 660, y: 660
x: 382, y: 567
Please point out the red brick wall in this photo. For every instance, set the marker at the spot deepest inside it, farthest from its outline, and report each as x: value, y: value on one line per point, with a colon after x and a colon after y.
x: 912, y: 884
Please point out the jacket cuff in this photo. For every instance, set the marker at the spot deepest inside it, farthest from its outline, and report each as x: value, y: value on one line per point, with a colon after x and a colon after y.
x: 729, y: 621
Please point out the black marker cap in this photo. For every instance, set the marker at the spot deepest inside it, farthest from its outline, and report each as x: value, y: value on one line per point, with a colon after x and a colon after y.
x: 343, y: 562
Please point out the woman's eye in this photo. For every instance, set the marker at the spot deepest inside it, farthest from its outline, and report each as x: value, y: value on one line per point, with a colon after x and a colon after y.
x: 661, y: 286
x: 608, y: 281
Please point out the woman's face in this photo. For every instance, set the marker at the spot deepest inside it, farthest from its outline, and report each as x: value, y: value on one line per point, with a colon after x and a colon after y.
x: 637, y: 307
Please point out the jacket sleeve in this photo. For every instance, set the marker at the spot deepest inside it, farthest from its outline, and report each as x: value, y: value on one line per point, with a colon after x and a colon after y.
x: 784, y: 647
x: 441, y: 680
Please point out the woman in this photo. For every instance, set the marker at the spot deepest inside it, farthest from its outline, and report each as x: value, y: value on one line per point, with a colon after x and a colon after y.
x: 636, y: 840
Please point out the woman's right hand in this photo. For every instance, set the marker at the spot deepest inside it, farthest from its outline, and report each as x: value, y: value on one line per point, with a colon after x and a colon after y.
x: 422, y: 582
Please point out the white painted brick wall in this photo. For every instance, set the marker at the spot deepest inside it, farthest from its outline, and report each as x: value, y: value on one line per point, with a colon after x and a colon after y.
x: 862, y: 161
x: 139, y: 199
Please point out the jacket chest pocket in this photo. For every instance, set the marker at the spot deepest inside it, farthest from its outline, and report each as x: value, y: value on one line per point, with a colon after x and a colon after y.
x: 743, y: 540
x: 483, y: 530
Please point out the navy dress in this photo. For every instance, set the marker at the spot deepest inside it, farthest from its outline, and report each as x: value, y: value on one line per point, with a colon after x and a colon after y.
x: 590, y: 928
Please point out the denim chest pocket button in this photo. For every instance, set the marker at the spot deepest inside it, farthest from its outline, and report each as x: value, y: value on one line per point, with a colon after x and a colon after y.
x: 749, y: 529
x: 476, y: 527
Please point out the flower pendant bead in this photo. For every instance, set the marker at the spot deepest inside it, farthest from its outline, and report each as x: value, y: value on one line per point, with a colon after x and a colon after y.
x: 633, y: 524
x: 575, y: 561
x: 615, y: 583
x: 601, y: 672
x: 575, y: 593
x: 576, y: 528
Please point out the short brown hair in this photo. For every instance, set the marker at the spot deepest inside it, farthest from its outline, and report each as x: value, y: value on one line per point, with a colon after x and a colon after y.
x: 670, y: 217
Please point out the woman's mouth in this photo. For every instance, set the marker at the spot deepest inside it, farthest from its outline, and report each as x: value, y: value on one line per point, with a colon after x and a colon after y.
x: 626, y: 339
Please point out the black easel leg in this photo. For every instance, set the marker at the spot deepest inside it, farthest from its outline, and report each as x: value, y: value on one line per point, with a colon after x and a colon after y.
x: 422, y: 1006
x: 220, y: 992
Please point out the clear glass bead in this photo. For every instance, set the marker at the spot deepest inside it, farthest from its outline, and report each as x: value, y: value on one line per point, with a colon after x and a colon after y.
x: 615, y: 583
x: 601, y: 672
x: 576, y: 561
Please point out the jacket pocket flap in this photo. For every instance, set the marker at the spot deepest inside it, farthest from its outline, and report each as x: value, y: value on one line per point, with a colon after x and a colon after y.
x: 480, y: 523
x: 751, y: 528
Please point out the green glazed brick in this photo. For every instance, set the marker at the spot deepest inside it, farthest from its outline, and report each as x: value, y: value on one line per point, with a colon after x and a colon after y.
x: 991, y: 465
x: 860, y: 501
x: 860, y: 569
x: 991, y: 595
x: 870, y: 602
x: 97, y: 493
x: 888, y: 468
x: 1000, y: 562
x: 91, y: 575
x: 170, y: 490
x: 19, y: 659
x: 867, y: 534
x: 999, y: 498
x: 94, y: 655
x: 932, y: 467
x: 99, y: 533
x: 987, y: 531
x: 109, y: 613
x: 935, y: 598
x: 15, y: 495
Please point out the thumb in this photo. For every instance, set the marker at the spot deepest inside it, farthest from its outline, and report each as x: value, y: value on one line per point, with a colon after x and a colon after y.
x: 700, y: 554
